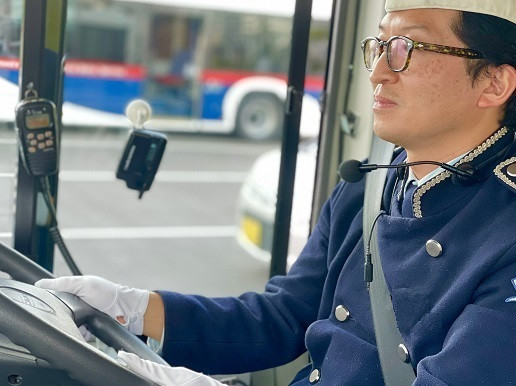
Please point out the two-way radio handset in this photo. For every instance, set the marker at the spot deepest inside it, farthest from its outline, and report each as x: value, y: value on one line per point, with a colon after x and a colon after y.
x: 38, y: 131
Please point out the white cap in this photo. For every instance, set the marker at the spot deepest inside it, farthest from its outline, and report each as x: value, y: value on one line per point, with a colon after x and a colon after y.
x: 505, y: 9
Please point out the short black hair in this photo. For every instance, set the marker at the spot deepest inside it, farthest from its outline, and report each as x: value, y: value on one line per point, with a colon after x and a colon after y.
x: 496, y: 39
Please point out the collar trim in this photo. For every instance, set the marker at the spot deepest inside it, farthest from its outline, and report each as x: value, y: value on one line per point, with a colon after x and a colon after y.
x: 420, y: 191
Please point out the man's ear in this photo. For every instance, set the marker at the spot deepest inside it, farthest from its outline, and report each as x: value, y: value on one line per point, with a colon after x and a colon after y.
x: 500, y: 83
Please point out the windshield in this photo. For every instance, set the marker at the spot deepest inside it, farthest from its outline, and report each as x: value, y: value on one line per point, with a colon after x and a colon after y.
x: 10, y: 24
x: 216, y: 82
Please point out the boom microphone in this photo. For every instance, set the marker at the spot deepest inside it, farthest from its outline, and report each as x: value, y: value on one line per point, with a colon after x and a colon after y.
x: 464, y: 174
x: 354, y: 170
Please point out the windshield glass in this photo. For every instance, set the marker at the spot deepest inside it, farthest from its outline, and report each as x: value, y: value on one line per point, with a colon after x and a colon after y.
x: 10, y: 24
x: 215, y: 79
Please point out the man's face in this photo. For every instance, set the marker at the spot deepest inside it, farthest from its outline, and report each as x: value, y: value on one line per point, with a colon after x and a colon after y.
x: 433, y: 100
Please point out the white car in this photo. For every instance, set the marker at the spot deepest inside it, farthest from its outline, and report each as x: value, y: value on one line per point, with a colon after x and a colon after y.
x: 257, y: 202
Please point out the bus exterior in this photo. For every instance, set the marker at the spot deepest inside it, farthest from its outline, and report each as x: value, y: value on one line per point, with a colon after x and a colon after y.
x: 203, y: 66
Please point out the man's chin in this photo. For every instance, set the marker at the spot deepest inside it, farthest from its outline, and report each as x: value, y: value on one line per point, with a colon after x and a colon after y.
x: 391, y: 133
x: 385, y: 132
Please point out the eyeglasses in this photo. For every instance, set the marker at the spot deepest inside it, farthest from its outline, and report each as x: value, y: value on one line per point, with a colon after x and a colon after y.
x: 399, y: 50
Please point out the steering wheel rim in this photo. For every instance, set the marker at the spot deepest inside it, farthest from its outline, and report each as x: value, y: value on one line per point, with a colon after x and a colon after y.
x: 25, y: 327
x: 42, y: 324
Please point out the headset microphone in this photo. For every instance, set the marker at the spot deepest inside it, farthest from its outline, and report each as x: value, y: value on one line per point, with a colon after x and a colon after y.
x: 354, y: 171
x: 464, y: 174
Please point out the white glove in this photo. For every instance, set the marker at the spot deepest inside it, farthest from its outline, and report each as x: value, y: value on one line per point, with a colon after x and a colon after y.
x: 127, y: 305
x: 166, y: 375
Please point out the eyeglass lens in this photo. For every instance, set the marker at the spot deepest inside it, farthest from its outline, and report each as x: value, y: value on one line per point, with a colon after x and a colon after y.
x: 397, y: 53
x: 372, y: 51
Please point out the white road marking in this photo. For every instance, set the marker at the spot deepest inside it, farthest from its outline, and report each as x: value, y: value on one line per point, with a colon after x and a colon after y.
x: 148, y: 232
x: 175, y: 146
x: 135, y: 233
x: 162, y: 176
x: 87, y: 176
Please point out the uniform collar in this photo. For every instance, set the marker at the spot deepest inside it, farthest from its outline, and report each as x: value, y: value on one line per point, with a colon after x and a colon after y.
x: 438, y: 192
x: 428, y: 197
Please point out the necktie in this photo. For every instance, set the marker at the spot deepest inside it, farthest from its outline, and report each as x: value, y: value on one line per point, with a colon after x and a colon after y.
x: 406, y: 204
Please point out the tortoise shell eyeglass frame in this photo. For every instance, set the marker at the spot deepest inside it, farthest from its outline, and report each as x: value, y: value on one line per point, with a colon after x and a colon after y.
x: 411, y: 45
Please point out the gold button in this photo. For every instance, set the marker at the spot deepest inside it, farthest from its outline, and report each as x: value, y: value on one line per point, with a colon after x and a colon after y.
x: 341, y: 313
x: 315, y: 376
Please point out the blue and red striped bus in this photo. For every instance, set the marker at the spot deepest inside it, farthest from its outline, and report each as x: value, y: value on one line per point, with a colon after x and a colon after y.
x: 207, y: 66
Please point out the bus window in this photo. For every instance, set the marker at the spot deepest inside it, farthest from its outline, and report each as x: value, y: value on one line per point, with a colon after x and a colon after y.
x: 171, y: 78
x: 10, y: 26
x: 112, y: 48
x: 234, y: 43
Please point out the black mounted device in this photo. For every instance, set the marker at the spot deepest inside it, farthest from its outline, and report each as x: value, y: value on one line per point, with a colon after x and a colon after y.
x: 141, y: 158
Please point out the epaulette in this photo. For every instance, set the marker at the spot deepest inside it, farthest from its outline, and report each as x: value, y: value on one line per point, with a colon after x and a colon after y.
x: 506, y: 172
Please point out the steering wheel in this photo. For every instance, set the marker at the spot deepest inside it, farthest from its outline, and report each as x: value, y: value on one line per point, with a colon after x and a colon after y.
x: 46, y: 322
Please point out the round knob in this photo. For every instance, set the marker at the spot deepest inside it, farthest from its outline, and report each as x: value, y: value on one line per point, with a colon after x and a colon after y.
x: 138, y: 111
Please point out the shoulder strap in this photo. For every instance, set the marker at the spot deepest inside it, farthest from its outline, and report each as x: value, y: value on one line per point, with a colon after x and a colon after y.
x: 388, y: 337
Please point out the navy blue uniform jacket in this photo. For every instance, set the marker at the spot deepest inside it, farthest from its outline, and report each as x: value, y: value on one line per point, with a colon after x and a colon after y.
x: 456, y: 312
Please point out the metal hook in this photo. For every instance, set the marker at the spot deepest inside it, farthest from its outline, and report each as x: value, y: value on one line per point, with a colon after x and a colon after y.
x: 30, y: 93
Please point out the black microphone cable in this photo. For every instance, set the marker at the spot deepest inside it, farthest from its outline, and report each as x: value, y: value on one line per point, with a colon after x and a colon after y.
x: 54, y: 229
x: 368, y: 265
x: 354, y: 171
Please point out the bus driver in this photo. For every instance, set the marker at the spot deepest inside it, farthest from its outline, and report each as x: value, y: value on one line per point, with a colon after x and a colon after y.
x: 443, y: 76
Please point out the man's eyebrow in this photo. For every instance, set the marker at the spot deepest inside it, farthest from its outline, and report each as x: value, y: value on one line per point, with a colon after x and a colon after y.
x: 408, y: 28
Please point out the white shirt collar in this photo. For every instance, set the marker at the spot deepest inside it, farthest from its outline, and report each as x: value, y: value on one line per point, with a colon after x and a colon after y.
x: 411, y: 179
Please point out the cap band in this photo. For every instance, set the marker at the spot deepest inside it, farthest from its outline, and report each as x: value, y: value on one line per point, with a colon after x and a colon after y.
x: 505, y: 9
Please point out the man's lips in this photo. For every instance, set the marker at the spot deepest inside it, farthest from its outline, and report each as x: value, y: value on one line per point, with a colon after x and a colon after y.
x: 382, y: 102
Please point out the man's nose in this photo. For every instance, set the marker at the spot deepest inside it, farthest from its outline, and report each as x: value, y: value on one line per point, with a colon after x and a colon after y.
x: 381, y: 72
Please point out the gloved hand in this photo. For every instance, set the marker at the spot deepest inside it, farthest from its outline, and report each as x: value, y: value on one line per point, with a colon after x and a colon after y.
x: 127, y: 305
x: 166, y: 375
